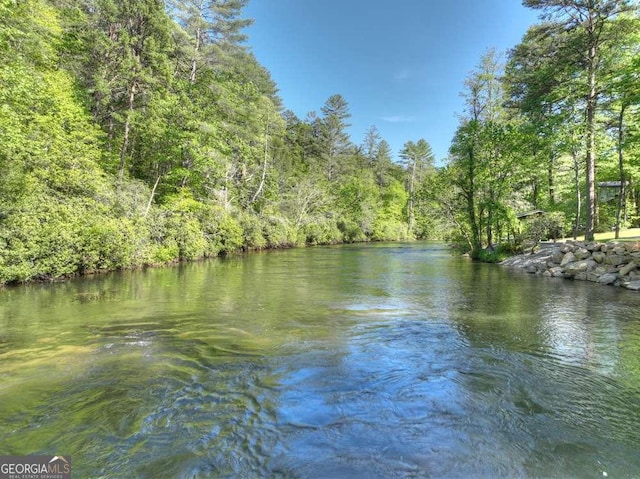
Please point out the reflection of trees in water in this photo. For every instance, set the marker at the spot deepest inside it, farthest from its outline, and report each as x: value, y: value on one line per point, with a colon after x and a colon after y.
x: 548, y: 361
x: 574, y: 322
x: 213, y: 367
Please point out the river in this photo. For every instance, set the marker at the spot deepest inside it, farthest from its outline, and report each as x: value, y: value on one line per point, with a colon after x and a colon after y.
x: 359, y: 361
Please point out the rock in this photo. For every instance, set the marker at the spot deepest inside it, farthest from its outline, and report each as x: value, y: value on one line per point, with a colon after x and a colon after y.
x: 619, y: 249
x: 593, y: 277
x: 616, y: 259
x: 582, y: 253
x: 606, y: 270
x: 609, y: 278
x: 568, y: 258
x: 555, y: 253
x: 578, y: 267
x: 625, y: 270
x: 604, y: 267
x: 607, y: 247
x: 593, y: 246
x: 566, y: 248
x: 633, y: 285
x: 556, y: 272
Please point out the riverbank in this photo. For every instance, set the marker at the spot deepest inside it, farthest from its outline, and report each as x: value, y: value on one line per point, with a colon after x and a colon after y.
x: 613, y: 263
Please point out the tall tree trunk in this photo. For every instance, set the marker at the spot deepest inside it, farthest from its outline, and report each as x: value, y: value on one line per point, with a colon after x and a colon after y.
x: 127, y: 130
x: 592, y: 100
x: 264, y: 163
x: 551, y: 180
x: 576, y: 171
x: 490, y: 217
x: 194, y: 61
x: 623, y: 192
x: 471, y: 207
x: 153, y: 192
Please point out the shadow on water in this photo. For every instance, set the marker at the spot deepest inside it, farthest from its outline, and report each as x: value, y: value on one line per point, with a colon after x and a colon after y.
x: 382, y: 360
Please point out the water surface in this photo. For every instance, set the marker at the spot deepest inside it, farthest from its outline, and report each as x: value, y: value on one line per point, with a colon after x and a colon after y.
x: 365, y: 361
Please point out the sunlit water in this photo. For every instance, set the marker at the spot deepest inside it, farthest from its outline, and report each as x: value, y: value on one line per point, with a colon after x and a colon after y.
x: 382, y: 360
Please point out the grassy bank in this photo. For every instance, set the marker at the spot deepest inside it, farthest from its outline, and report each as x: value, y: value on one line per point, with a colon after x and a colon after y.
x: 631, y: 234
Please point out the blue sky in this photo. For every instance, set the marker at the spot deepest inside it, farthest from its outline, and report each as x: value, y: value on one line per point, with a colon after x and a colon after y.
x: 400, y: 65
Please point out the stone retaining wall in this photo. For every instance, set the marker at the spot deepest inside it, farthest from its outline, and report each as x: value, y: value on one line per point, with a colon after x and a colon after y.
x: 605, y: 263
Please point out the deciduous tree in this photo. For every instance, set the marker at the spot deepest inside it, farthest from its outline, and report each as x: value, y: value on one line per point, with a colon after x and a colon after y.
x: 589, y: 20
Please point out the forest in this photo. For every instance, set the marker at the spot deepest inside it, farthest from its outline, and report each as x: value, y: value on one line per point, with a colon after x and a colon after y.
x: 145, y: 132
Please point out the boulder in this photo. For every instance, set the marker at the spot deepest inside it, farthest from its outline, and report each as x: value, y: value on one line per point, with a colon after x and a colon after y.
x: 582, y: 253
x: 568, y: 258
x: 605, y: 248
x: 633, y: 285
x: 566, y: 248
x: 556, y: 272
x: 619, y: 249
x: 616, y: 259
x: 625, y: 270
x: 578, y: 267
x: 593, y: 277
x: 606, y: 270
x: 613, y: 264
x: 608, y: 278
x: 557, y: 256
x: 631, y: 247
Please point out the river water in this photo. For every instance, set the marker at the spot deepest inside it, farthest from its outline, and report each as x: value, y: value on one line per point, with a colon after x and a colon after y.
x: 363, y: 361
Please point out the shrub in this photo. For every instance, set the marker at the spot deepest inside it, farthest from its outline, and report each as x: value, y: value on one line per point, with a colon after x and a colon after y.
x: 278, y: 232
x: 322, y: 231
x: 351, y: 232
x: 548, y: 226
x: 496, y: 255
x: 222, y: 232
x: 107, y: 243
x: 252, y: 237
x: 182, y: 225
x: 389, y: 230
x: 49, y: 237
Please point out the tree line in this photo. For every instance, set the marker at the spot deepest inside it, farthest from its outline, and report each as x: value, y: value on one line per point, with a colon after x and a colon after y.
x: 145, y: 132
x: 551, y: 127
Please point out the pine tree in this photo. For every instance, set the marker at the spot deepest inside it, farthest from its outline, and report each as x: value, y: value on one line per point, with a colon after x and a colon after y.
x: 589, y: 19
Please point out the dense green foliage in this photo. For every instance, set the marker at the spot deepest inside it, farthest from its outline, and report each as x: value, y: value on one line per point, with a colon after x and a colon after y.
x: 144, y: 132
x: 554, y: 128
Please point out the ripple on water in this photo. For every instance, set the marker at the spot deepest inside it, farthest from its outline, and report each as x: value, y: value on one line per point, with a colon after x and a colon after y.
x: 411, y: 366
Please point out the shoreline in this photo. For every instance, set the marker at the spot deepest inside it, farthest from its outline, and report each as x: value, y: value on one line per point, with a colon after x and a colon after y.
x: 244, y: 250
x: 613, y: 263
